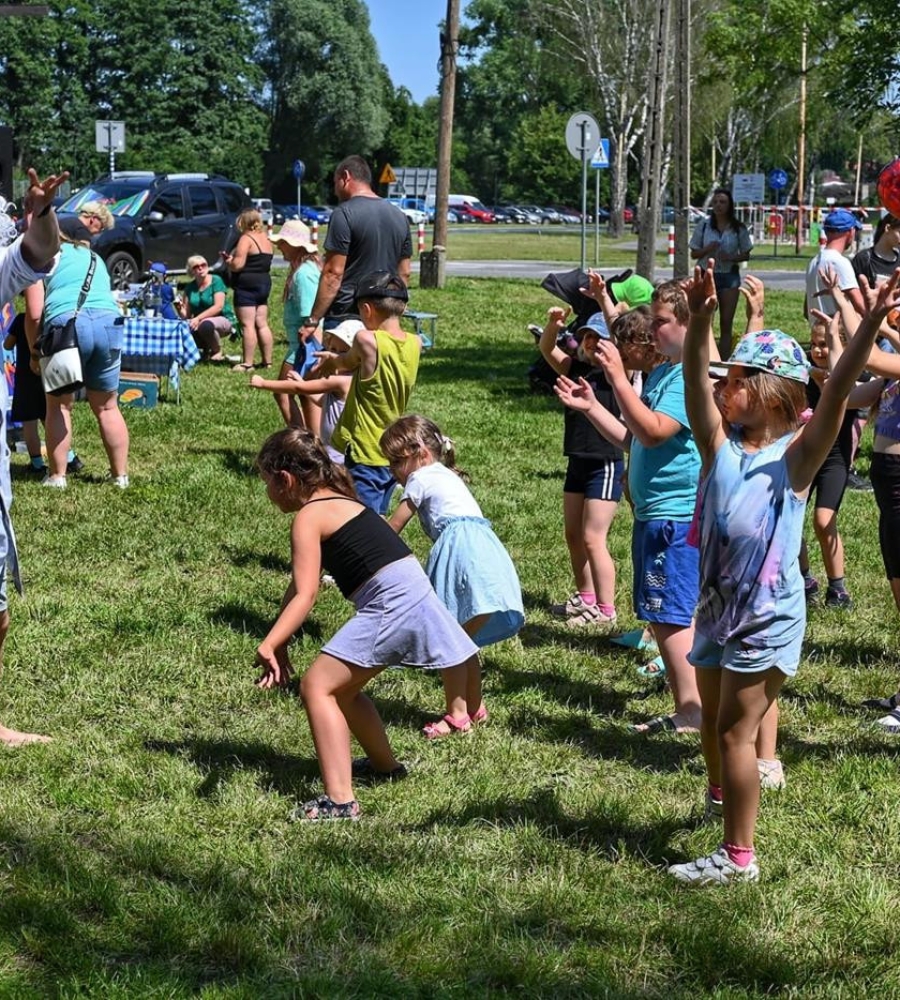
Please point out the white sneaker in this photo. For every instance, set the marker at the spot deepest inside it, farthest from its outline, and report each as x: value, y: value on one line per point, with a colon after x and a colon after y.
x: 570, y: 607
x: 54, y: 482
x: 717, y: 867
x: 120, y: 481
x: 590, y: 615
x: 771, y: 774
x: 714, y: 809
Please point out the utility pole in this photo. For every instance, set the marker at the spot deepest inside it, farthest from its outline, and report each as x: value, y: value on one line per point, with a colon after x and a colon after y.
x: 682, y: 140
x: 431, y: 274
x: 653, y: 144
x: 801, y: 150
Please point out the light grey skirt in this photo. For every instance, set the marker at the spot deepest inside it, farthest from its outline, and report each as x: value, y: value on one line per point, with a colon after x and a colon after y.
x: 399, y: 622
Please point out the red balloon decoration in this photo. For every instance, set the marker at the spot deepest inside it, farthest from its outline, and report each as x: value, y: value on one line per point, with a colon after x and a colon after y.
x: 889, y: 187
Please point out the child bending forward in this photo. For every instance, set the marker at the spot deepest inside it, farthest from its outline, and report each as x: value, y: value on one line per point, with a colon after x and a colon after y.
x: 399, y: 619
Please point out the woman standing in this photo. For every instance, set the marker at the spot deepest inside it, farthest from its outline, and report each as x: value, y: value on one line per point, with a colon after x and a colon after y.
x: 250, y: 264
x: 100, y: 347
x: 724, y: 237
x: 205, y: 306
x: 297, y: 248
x: 879, y: 261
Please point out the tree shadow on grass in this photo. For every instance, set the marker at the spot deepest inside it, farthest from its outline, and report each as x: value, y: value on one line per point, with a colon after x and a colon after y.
x: 240, y: 461
x: 846, y: 652
x: 252, y: 557
x: 535, y: 634
x: 220, y: 760
x: 579, y: 695
x: 246, y: 621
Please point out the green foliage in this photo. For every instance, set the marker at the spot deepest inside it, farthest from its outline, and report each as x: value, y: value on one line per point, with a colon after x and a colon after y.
x: 412, y: 138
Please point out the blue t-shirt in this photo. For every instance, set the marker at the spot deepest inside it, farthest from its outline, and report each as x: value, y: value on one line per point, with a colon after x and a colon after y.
x: 663, y: 480
x: 63, y: 284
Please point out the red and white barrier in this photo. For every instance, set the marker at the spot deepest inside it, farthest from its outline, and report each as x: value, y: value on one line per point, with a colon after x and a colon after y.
x: 314, y: 233
x: 421, y: 234
x: 671, y: 246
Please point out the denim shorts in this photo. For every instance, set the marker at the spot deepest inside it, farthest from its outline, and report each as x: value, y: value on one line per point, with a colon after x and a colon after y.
x: 374, y: 484
x: 744, y: 657
x: 100, y: 346
x: 596, y: 478
x: 666, y: 572
x: 727, y: 279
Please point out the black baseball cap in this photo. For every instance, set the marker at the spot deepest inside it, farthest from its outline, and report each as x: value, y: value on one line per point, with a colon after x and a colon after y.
x: 382, y: 285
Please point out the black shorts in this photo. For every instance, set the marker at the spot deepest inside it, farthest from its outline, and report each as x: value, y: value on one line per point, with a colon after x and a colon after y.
x: 255, y: 294
x: 830, y: 483
x: 885, y: 476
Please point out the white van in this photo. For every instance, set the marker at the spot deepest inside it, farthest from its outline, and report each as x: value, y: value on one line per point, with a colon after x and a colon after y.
x: 471, y: 205
x: 265, y: 209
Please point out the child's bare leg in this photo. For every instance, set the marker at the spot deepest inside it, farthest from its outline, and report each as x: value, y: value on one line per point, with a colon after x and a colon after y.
x: 287, y: 404
x: 674, y: 643
x: 312, y: 413
x: 745, y: 700
x: 331, y: 690
x: 825, y: 525
x: 456, y: 685
x: 573, y: 520
x: 32, y: 438
x: 598, y: 516
x: 12, y: 737
x: 709, y: 683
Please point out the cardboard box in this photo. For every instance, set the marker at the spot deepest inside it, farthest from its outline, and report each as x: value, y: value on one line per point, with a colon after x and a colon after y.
x: 136, y: 389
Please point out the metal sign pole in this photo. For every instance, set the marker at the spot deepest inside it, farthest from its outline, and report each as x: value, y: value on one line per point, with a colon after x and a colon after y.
x: 584, y: 160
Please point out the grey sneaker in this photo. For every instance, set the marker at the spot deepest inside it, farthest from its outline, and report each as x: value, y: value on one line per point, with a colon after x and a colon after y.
x: 120, y: 481
x: 771, y: 774
x: 54, y: 482
x: 570, y: 607
x: 716, y: 868
x: 589, y: 617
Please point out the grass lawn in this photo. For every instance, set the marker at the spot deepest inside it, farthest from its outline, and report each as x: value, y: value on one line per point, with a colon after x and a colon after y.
x: 146, y: 851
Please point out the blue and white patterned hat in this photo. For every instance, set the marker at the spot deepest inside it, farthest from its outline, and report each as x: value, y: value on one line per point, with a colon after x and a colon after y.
x: 771, y: 351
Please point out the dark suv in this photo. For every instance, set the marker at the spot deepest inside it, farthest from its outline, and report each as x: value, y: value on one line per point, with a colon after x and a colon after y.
x: 161, y: 217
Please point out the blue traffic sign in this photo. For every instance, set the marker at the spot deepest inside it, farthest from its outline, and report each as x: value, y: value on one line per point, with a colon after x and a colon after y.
x: 600, y: 159
x: 299, y: 170
x: 777, y: 179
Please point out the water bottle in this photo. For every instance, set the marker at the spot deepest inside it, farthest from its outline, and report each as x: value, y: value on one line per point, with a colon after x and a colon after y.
x: 156, y: 301
x: 147, y: 298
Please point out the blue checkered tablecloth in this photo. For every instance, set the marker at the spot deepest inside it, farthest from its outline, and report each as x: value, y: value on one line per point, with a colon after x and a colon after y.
x: 158, y: 347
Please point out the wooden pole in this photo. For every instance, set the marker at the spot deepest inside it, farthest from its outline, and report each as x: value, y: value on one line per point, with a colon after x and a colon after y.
x: 682, y: 140
x: 801, y: 149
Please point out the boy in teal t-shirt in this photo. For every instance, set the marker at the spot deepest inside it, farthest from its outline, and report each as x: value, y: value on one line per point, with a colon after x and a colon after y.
x: 663, y: 475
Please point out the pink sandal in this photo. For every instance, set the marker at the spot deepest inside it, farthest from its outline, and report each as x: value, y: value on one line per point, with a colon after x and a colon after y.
x: 433, y: 732
x: 480, y: 716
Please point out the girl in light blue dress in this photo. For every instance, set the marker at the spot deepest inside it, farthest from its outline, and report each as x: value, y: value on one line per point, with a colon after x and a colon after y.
x: 758, y: 465
x: 469, y: 568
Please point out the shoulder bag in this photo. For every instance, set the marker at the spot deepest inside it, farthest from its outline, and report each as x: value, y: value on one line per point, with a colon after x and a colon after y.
x: 60, y: 360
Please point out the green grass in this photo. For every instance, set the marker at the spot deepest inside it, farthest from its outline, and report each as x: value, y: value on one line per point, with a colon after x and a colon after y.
x: 146, y: 852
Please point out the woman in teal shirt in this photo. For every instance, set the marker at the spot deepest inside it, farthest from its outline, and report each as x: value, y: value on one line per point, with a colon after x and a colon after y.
x: 206, y: 308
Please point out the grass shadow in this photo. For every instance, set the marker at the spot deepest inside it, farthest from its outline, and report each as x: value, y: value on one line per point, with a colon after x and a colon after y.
x: 237, y: 460
x: 246, y: 621
x: 250, y: 557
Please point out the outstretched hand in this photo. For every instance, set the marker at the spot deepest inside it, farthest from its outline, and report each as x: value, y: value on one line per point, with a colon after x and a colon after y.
x: 881, y: 299
x: 701, y: 291
x: 829, y: 278
x: 610, y: 360
x: 596, y: 286
x: 754, y: 292
x: 557, y: 318
x: 276, y: 667
x: 576, y: 395
x: 42, y: 192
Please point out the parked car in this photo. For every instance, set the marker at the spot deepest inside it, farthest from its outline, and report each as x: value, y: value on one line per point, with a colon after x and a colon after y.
x: 466, y: 213
x: 266, y: 210
x: 544, y: 214
x: 408, y: 206
x: 500, y: 214
x: 315, y: 213
x: 161, y: 217
x: 568, y: 216
x: 695, y: 215
x: 451, y: 215
x: 522, y: 216
x: 285, y: 212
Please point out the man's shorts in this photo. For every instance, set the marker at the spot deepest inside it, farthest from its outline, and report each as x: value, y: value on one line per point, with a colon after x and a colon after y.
x: 596, y: 478
x: 374, y: 484
x: 666, y: 572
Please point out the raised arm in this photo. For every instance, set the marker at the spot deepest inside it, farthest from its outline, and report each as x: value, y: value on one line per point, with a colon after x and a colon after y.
x: 599, y: 292
x: 754, y: 292
x: 579, y: 396
x: 807, y: 451
x: 40, y: 244
x: 559, y: 361
x: 705, y: 419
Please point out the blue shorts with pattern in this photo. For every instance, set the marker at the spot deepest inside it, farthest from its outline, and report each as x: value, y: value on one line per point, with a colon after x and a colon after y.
x: 666, y: 572
x: 746, y: 657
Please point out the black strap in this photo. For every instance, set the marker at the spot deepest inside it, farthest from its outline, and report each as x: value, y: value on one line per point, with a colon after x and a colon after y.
x: 86, y: 287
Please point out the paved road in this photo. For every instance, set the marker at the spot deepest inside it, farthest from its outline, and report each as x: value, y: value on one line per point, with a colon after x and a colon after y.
x: 786, y: 280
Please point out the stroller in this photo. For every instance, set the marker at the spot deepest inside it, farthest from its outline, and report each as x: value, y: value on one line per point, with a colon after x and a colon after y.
x: 567, y: 286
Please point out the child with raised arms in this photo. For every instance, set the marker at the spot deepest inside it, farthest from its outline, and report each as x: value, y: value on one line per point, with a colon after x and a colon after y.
x: 758, y: 466
x: 399, y: 620
x: 468, y: 567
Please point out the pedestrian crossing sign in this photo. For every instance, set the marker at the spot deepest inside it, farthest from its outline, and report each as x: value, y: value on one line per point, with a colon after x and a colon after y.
x: 600, y: 159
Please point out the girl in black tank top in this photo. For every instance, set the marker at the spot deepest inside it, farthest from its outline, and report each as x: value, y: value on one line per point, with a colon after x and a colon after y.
x: 399, y: 619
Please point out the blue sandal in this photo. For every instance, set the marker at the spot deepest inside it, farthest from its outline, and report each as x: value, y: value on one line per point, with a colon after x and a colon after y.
x: 655, y: 669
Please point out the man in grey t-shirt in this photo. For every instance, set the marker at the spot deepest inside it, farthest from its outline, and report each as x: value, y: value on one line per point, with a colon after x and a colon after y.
x: 365, y: 234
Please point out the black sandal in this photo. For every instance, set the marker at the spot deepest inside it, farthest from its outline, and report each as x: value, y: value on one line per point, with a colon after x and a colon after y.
x: 888, y: 704
x: 364, y: 772
x: 323, y: 808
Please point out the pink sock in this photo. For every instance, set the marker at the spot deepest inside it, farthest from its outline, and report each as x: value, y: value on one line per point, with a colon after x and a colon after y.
x: 741, y: 856
x: 607, y: 609
x: 715, y: 792
x: 588, y: 596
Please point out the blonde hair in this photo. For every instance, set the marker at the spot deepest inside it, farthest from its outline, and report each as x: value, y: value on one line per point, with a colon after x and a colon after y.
x: 672, y: 295
x: 250, y: 221
x: 194, y: 260
x: 410, y: 435
x: 783, y: 398
x: 97, y: 210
